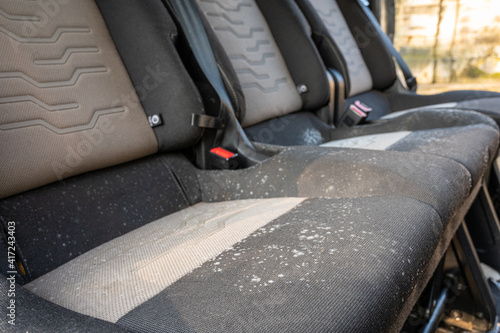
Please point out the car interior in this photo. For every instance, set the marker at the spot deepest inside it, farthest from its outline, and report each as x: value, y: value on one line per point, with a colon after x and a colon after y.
x: 237, y: 166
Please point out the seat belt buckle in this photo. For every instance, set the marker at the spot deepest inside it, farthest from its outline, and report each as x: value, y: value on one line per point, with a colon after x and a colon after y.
x: 355, y: 114
x: 411, y: 82
x: 221, y: 158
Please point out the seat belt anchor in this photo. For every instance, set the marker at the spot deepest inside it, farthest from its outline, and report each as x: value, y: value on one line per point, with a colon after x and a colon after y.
x: 355, y: 114
x: 221, y: 158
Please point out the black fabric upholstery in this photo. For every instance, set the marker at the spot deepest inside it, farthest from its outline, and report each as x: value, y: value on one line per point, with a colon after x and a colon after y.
x: 468, y: 146
x: 34, y: 314
x: 354, y: 256
x: 466, y: 137
x: 348, y: 173
x: 328, y: 265
x: 296, y: 129
x: 144, y: 36
x: 459, y: 135
x: 377, y: 56
x: 283, y: 17
x: 467, y: 99
x: 330, y: 52
x: 68, y: 218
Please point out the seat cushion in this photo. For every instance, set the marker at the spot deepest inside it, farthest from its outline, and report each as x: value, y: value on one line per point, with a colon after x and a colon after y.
x: 464, y: 136
x: 112, y: 279
x: 327, y: 265
x: 258, y: 265
x: 67, y: 219
x: 467, y: 137
x: 348, y: 173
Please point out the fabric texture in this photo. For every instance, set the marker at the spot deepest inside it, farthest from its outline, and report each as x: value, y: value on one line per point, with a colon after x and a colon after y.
x: 311, y: 239
x: 372, y: 142
x: 67, y: 105
x: 257, y: 60
x: 327, y: 265
x: 114, y: 278
x: 348, y: 173
x: 34, y: 314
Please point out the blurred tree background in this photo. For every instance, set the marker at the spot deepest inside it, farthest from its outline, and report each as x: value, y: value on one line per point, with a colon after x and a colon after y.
x: 449, y: 44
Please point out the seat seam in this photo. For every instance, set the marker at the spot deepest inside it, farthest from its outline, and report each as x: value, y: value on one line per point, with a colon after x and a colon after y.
x: 177, y: 181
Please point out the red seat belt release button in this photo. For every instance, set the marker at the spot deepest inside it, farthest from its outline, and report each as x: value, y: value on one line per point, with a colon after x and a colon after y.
x: 221, y: 152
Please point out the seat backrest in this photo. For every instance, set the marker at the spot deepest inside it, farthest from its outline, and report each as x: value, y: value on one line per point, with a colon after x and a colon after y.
x: 67, y: 104
x: 349, y: 43
x: 279, y: 72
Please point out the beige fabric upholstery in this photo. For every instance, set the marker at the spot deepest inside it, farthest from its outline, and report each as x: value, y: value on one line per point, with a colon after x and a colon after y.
x: 360, y: 78
x: 245, y: 36
x: 112, y: 279
x: 67, y: 105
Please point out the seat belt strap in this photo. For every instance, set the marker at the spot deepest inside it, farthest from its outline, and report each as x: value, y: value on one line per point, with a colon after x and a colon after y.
x: 225, y: 122
x: 194, y: 31
x: 410, y: 80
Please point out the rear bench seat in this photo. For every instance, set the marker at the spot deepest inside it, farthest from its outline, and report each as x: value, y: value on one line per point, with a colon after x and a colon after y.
x: 312, y: 239
x: 353, y: 43
x: 282, y: 84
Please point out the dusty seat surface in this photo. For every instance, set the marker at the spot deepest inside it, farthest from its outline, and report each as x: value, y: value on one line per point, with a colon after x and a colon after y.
x: 254, y: 43
x: 311, y: 239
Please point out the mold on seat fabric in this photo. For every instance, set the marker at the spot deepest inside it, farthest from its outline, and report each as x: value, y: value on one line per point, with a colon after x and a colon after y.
x: 132, y: 268
x: 289, y: 259
x: 306, y: 271
x: 311, y: 239
x: 450, y: 133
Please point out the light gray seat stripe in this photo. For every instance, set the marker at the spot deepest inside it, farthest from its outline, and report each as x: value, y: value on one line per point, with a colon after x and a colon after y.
x: 372, y: 142
x: 114, y: 278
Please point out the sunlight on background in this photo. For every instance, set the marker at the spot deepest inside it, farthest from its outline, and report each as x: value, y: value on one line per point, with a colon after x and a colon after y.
x: 450, y: 44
